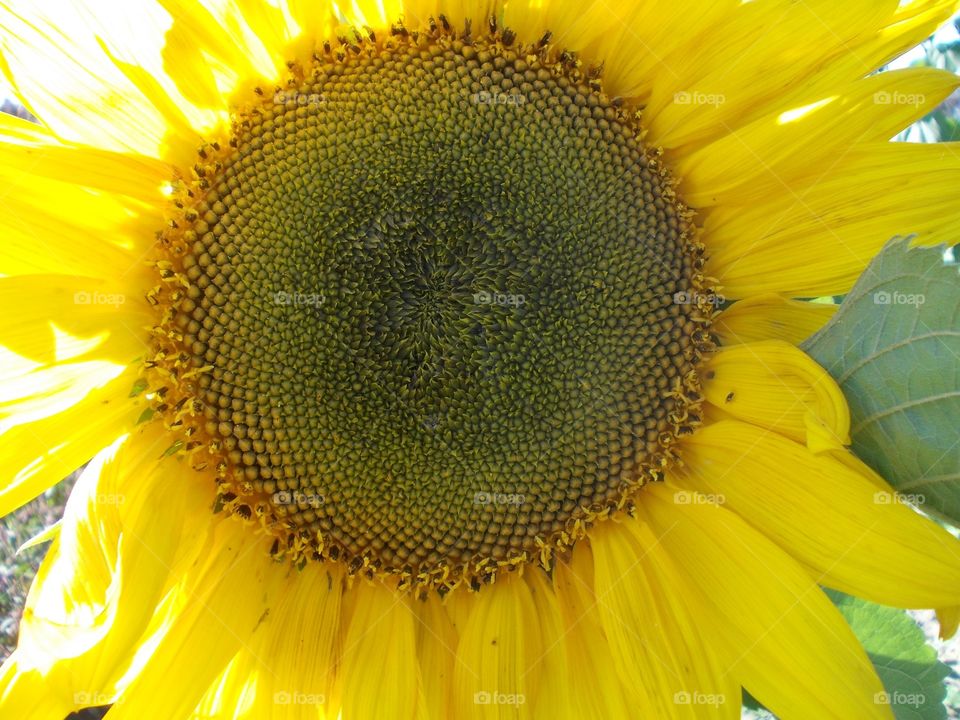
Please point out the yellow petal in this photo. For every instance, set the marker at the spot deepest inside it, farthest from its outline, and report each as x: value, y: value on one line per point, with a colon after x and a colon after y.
x: 54, y: 309
x: 437, y: 650
x: 201, y: 624
x: 46, y: 391
x: 584, y: 28
x: 651, y: 45
x: 817, y: 241
x: 233, y: 693
x: 286, y: 670
x: 851, y: 534
x: 271, y: 23
x: 375, y: 14
x: 39, y: 454
x: 743, y: 68
x: 312, y: 20
x: 497, y: 669
x: 554, y: 665
x: 774, y: 385
x: 67, y: 81
x: 766, y: 157
x: 91, y: 234
x: 659, y: 649
x: 32, y: 151
x: 417, y: 12
x: 25, y: 694
x: 211, y: 50
x: 595, y: 687
x: 912, y: 23
x: 949, y: 620
x: 770, y: 614
x: 105, y: 573
x: 771, y: 317
x: 380, y: 652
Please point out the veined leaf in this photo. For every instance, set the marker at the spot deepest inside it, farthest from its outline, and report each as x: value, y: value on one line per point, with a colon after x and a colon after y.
x: 894, y: 349
x: 911, y: 673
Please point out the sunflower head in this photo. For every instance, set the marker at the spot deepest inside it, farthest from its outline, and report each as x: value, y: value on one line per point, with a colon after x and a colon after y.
x: 432, y: 307
x: 447, y: 417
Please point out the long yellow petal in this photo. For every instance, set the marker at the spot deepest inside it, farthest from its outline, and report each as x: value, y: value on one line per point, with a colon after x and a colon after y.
x: 53, y: 309
x: 41, y: 453
x: 286, y: 670
x: 768, y: 610
x: 92, y: 234
x: 849, y: 532
x: 201, y: 624
x: 585, y: 28
x: 743, y: 71
x: 117, y: 552
x: 26, y: 151
x: 659, y: 648
x: 771, y: 317
x: 554, y: 666
x: 595, y: 687
x: 380, y: 651
x: 768, y: 156
x: 651, y: 44
x: 437, y: 651
x: 67, y: 81
x: 497, y: 670
x: 817, y: 241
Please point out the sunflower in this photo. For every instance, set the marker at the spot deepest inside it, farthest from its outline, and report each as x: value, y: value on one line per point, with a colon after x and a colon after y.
x: 439, y: 359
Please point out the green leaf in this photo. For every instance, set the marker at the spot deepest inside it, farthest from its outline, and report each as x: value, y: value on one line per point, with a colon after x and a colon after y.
x: 173, y: 449
x: 894, y: 349
x: 749, y: 701
x: 138, y: 387
x: 908, y: 667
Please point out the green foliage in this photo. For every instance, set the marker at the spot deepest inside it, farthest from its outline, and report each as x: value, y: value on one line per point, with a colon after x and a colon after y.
x: 909, y: 669
x: 894, y: 349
